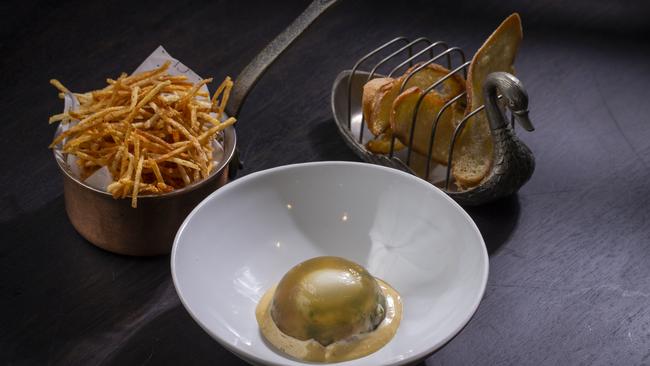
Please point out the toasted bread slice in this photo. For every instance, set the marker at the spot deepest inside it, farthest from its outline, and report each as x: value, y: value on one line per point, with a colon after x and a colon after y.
x: 381, y: 144
x: 404, y: 108
x: 379, y: 94
x: 473, y: 154
x: 375, y: 112
x: 432, y: 73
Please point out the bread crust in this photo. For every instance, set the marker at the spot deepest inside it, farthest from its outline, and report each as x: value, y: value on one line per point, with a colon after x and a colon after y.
x: 473, y: 154
x: 373, y: 91
x: 381, y: 144
x: 404, y: 108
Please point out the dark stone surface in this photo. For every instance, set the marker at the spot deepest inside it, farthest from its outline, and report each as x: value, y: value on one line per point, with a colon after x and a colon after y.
x: 570, y: 254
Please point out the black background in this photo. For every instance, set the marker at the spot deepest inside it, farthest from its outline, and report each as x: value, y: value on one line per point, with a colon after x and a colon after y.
x: 570, y: 254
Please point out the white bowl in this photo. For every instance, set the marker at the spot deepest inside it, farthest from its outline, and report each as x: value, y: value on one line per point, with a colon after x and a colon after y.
x: 243, y: 238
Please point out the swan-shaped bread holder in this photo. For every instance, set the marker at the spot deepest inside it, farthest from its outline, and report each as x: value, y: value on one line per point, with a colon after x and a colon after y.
x: 513, y: 163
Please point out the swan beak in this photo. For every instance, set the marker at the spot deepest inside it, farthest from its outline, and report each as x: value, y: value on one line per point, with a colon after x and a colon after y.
x: 524, y: 121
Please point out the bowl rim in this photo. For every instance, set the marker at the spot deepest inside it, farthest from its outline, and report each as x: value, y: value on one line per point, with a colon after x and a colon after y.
x: 243, y: 353
x: 229, y: 133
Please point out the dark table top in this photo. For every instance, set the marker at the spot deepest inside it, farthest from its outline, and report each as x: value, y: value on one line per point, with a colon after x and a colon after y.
x: 569, y: 255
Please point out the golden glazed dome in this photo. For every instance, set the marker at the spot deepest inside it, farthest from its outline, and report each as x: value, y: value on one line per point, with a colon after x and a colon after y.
x: 327, y: 299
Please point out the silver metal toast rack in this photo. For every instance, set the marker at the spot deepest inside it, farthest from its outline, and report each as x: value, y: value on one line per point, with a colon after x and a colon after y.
x: 513, y: 162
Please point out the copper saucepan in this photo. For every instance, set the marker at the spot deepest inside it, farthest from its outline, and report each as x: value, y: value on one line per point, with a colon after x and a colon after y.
x: 149, y: 229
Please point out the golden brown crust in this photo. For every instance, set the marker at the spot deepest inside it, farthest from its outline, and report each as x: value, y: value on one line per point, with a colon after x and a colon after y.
x: 379, y: 94
x: 474, y: 150
x: 404, y: 108
x: 373, y: 92
x: 510, y: 27
x: 381, y: 144
x: 432, y: 73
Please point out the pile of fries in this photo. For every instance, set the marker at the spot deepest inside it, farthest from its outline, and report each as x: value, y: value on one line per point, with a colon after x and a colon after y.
x: 153, y: 131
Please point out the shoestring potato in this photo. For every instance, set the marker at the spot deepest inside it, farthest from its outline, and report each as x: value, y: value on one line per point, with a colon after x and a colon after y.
x: 153, y: 131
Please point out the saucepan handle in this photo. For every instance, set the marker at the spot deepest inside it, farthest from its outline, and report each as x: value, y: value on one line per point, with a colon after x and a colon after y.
x: 255, y: 69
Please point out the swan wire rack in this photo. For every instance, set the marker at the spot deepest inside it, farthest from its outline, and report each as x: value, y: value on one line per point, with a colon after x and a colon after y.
x: 414, y: 51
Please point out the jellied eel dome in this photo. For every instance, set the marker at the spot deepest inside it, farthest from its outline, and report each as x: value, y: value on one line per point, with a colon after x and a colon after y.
x: 327, y: 299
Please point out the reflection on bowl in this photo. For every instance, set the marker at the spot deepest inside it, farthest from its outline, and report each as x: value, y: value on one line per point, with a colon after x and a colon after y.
x: 240, y: 241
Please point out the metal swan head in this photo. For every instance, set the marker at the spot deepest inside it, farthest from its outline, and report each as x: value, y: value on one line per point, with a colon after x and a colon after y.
x: 515, y: 95
x: 514, y: 163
